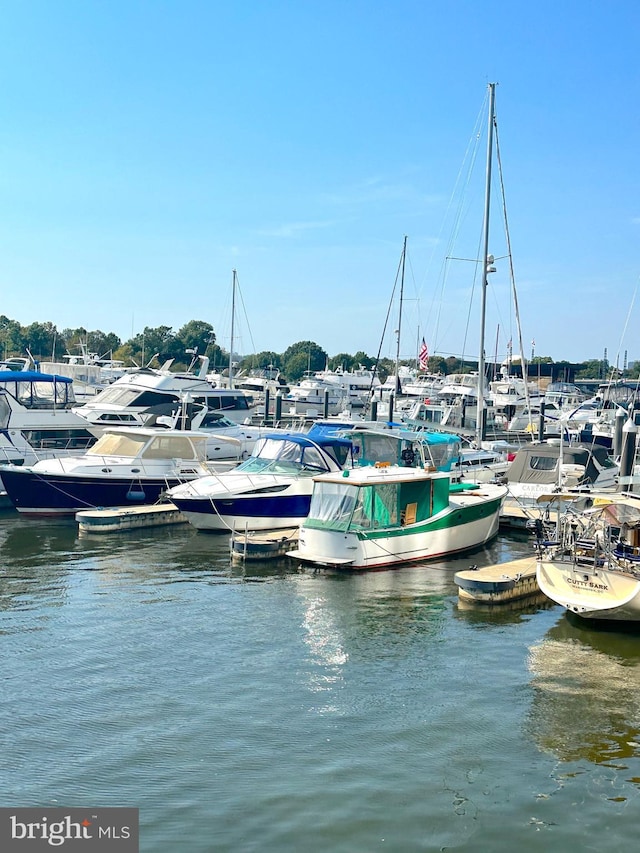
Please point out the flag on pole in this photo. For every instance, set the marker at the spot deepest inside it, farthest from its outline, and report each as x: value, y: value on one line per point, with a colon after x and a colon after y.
x: 423, y: 356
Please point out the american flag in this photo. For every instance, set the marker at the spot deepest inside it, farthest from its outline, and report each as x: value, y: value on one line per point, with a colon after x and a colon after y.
x: 423, y: 356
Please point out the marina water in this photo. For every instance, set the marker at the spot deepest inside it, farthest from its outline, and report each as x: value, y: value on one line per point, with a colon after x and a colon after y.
x: 280, y: 709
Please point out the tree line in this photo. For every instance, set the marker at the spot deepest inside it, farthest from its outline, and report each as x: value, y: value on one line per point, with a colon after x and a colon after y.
x: 44, y: 342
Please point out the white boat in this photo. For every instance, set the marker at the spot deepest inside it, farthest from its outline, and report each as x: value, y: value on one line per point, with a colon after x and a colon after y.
x: 425, y: 385
x: 271, y: 489
x: 36, y: 417
x: 374, y: 517
x: 507, y: 392
x: 357, y: 386
x: 591, y: 566
x: 312, y: 395
x: 125, y: 467
x: 546, y: 467
x: 127, y: 400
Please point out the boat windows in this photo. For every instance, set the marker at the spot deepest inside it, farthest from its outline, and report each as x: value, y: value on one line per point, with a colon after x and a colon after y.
x: 216, y: 420
x: 117, y: 444
x: 332, y: 504
x: 5, y: 412
x: 543, y: 463
x: 169, y: 447
x: 112, y: 417
x: 41, y: 393
x: 230, y: 402
x: 59, y: 439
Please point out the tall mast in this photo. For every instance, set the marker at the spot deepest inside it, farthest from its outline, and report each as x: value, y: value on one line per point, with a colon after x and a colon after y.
x: 486, y: 268
x: 404, y: 254
x: 233, y: 314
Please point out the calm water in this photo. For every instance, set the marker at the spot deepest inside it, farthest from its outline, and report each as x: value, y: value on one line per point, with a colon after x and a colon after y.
x: 281, y: 710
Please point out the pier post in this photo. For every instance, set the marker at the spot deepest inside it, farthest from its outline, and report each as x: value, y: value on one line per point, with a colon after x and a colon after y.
x: 374, y: 410
x: 277, y: 416
x: 326, y: 403
x: 621, y: 416
x: 627, y: 458
x: 541, y: 423
x: 391, y: 405
x: 266, y: 405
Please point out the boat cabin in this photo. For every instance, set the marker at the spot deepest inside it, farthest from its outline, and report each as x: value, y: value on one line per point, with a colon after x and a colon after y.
x: 148, y: 444
x: 361, y: 500
x: 297, y: 455
x: 36, y: 390
x: 407, y: 448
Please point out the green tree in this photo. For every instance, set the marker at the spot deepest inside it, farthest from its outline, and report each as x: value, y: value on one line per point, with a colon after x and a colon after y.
x: 343, y: 360
x: 361, y: 358
x: 12, y: 337
x: 103, y: 344
x: 39, y: 339
x: 302, y: 356
x: 196, y: 335
x: 159, y: 342
x: 260, y: 360
x: 296, y: 366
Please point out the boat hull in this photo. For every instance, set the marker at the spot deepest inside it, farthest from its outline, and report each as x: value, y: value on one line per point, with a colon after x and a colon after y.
x: 35, y: 494
x: 590, y: 592
x: 226, y: 513
x: 456, y: 531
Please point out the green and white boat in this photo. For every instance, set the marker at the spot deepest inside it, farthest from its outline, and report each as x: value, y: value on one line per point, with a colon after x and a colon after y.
x: 383, y: 515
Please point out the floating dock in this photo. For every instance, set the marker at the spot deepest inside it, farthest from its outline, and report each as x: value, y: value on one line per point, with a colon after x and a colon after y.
x: 263, y: 544
x: 500, y: 583
x: 116, y: 519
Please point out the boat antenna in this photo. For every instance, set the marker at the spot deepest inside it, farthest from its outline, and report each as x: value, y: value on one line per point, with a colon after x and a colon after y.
x: 487, y: 264
x: 233, y: 313
x: 399, y: 329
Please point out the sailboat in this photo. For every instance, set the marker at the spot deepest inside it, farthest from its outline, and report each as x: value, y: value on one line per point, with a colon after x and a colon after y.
x: 386, y: 514
x: 592, y: 566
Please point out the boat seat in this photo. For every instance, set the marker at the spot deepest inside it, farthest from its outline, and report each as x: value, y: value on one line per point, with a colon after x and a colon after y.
x: 409, y: 514
x: 628, y: 552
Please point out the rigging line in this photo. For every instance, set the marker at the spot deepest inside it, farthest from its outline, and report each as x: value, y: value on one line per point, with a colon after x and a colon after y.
x: 622, y: 336
x: 477, y: 137
x: 244, y: 311
x: 469, y: 158
x: 384, y: 330
x: 523, y: 360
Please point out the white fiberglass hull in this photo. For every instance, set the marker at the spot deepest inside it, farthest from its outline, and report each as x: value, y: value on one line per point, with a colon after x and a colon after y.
x: 242, y: 502
x: 590, y: 592
x: 442, y: 536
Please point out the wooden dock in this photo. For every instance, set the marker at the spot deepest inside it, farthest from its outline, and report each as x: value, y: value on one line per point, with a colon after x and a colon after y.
x: 501, y: 583
x: 116, y: 519
x: 263, y: 544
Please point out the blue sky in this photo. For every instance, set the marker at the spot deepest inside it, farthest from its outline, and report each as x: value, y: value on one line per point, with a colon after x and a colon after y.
x: 147, y: 149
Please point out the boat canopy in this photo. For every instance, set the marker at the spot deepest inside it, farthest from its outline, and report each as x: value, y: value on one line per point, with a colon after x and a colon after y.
x: 408, y: 448
x: 135, y: 443
x: 538, y: 463
x: 295, y: 453
x: 352, y: 505
x: 37, y: 390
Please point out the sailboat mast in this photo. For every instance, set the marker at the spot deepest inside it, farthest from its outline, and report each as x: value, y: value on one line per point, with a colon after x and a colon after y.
x: 480, y: 422
x: 404, y: 254
x: 233, y: 314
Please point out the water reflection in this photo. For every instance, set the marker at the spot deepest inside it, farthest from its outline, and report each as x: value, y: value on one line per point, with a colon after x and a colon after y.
x: 586, y: 702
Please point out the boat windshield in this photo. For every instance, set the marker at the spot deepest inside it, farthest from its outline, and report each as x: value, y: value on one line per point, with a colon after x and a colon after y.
x: 122, y: 396
x: 340, y: 506
x: 116, y: 444
x: 159, y: 447
x: 274, y: 456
